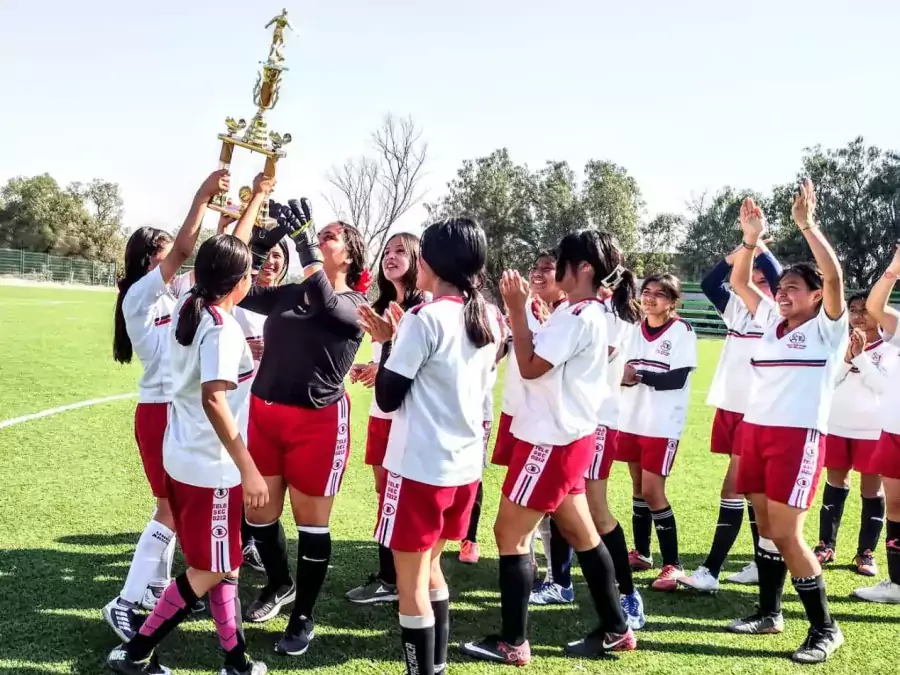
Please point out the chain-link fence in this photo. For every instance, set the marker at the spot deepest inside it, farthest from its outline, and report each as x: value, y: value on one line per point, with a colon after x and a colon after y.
x: 45, y: 267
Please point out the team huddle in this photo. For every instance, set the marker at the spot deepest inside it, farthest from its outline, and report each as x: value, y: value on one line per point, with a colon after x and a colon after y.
x: 242, y: 403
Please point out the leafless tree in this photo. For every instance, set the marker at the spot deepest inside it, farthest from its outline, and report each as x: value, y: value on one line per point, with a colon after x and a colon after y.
x: 374, y: 191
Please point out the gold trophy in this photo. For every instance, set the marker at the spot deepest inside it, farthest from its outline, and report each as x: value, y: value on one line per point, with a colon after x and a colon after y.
x: 256, y: 137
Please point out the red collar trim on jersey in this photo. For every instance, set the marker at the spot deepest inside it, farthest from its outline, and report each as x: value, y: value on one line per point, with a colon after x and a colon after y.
x: 214, y: 313
x: 781, y: 330
x: 651, y: 338
x: 581, y: 304
x: 874, y: 345
x: 452, y: 298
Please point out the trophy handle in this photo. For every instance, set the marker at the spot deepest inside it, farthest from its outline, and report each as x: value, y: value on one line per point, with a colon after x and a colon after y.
x: 225, y: 154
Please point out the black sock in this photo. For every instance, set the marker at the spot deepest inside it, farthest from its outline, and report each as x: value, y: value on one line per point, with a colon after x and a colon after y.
x: 271, y: 544
x: 560, y: 557
x: 440, y: 605
x: 472, y: 534
x: 313, y: 555
x: 247, y: 535
x: 516, y: 577
x: 871, y: 524
x: 417, y: 638
x: 599, y: 573
x: 641, y: 525
x: 772, y: 573
x: 830, y: 514
x: 893, y: 550
x: 812, y: 594
x: 754, y: 530
x: 172, y: 608
x: 731, y: 515
x: 667, y: 534
x: 618, y: 551
x: 386, y: 570
x: 225, y: 608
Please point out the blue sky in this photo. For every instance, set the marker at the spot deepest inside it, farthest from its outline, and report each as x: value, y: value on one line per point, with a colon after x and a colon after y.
x: 688, y: 95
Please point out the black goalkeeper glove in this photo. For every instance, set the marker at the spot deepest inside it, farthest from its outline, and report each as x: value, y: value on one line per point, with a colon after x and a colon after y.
x: 302, y: 230
x: 262, y: 240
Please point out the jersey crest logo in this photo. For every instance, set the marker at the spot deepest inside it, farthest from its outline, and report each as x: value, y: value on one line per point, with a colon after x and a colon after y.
x: 665, y: 348
x: 876, y: 358
x: 797, y: 341
x: 220, y: 532
x: 220, y: 493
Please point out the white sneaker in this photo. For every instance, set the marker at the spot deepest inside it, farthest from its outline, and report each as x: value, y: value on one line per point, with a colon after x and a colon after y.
x: 886, y: 592
x: 701, y: 580
x: 748, y: 576
x: 152, y: 596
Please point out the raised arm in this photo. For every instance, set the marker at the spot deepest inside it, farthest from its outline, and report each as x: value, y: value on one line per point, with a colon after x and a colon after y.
x: 879, y: 297
x: 803, y: 212
x: 769, y: 265
x: 262, y: 188
x: 186, y: 238
x: 742, y: 273
x: 514, y: 290
x: 713, y: 284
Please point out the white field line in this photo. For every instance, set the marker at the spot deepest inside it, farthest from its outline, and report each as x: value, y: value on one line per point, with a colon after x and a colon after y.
x: 65, y: 408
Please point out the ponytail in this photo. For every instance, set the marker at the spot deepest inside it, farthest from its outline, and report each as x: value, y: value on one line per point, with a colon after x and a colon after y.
x: 189, y: 317
x: 143, y: 245
x: 624, y: 298
x: 475, y: 318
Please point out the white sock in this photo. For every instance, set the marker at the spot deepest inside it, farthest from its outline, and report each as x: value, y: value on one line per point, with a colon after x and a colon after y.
x: 163, y: 574
x: 544, y: 527
x: 150, y: 550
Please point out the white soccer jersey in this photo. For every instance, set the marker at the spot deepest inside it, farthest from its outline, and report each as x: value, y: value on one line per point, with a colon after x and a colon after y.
x: 618, y: 334
x: 563, y: 404
x: 252, y: 323
x: 644, y: 411
x: 856, y: 408
x: 437, y: 435
x: 488, y: 407
x: 794, y: 373
x: 729, y: 389
x: 512, y: 381
x: 192, y: 452
x: 147, y: 308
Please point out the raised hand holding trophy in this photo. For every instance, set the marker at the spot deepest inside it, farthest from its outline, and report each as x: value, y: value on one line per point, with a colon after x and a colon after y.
x: 256, y: 137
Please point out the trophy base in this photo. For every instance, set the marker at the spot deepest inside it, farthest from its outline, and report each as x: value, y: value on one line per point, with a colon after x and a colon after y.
x: 276, y: 154
x: 234, y: 212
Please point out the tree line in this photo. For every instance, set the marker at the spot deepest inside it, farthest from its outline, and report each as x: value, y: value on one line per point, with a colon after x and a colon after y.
x: 524, y: 210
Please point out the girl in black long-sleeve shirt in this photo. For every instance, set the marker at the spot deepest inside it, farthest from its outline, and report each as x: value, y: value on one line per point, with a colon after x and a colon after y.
x: 299, y: 434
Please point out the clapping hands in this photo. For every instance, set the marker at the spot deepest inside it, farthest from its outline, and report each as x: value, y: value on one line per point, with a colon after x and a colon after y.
x: 381, y: 329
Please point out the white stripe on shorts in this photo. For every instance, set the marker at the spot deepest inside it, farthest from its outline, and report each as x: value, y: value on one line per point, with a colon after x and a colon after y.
x: 593, y: 472
x: 220, y: 553
x: 530, y: 474
x: 669, y: 457
x: 339, y: 457
x: 388, y: 516
x: 799, y: 498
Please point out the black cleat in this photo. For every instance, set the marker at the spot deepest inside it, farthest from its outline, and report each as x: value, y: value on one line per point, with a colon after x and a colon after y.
x: 270, y: 602
x: 255, y: 668
x: 120, y: 662
x: 296, y: 639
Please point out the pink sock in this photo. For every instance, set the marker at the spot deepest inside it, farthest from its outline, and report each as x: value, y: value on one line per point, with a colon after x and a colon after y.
x: 222, y: 606
x: 167, y: 606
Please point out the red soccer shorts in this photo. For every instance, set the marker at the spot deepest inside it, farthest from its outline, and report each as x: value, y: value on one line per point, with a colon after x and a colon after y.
x: 309, y: 447
x: 377, y: 435
x: 504, y: 443
x: 208, y: 525
x: 540, y: 477
x: 150, y: 420
x: 414, y: 516
x: 604, y: 454
x: 726, y: 431
x: 887, y: 456
x: 784, y: 463
x: 850, y: 453
x: 656, y: 455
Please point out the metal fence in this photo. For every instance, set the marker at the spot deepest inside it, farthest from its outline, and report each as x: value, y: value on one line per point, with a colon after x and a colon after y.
x: 45, y: 267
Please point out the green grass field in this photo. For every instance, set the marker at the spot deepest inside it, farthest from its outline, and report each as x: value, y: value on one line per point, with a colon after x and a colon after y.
x: 74, y: 499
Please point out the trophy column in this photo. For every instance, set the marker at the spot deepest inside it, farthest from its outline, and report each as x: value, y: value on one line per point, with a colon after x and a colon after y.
x: 225, y: 155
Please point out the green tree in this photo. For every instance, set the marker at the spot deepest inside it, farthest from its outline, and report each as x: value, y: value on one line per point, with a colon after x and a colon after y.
x: 657, y: 245
x: 612, y: 201
x: 36, y: 214
x: 100, y: 236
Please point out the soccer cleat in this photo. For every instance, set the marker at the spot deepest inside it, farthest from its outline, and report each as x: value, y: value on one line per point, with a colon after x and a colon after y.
x: 120, y: 662
x: 121, y: 616
x: 252, y: 557
x: 296, y: 639
x: 492, y: 648
x: 748, y: 576
x: 151, y: 596
x: 269, y: 603
x: 256, y: 668
x: 824, y: 553
x: 372, y: 592
x: 668, y: 578
x: 865, y: 564
x: 638, y: 562
x: 469, y: 552
x: 819, y: 645
x: 633, y: 608
x: 550, y: 593
x: 886, y: 592
x: 758, y: 624
x: 702, y: 580
x: 599, y: 642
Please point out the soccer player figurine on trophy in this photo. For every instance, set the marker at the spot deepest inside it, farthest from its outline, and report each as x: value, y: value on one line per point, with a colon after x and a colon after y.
x: 256, y: 136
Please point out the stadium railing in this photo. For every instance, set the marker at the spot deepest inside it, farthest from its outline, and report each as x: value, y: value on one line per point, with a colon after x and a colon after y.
x: 53, y: 268
x: 703, y: 317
